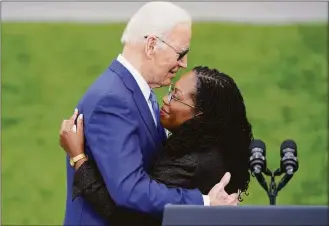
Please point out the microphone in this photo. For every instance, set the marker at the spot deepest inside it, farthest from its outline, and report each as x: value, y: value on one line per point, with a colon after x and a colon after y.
x: 257, y: 161
x: 288, y: 166
x: 289, y: 161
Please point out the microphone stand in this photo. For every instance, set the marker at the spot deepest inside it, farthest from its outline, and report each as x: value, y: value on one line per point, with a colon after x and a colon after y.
x: 272, y: 190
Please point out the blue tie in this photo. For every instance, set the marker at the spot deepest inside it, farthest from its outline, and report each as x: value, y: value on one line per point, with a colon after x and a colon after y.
x: 155, y: 107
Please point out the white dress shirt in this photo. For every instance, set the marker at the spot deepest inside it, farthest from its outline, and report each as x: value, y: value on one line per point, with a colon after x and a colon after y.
x: 144, y: 87
x: 146, y: 90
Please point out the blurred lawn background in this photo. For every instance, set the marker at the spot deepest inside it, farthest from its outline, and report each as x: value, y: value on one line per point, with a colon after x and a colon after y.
x: 46, y: 68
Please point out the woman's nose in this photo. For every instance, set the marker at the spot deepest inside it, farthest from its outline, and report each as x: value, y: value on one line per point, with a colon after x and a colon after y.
x: 165, y: 100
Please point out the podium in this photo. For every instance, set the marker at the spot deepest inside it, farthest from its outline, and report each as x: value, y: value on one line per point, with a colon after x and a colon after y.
x: 184, y: 215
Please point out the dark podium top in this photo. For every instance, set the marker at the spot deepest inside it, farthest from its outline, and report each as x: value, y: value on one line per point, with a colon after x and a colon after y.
x: 179, y: 215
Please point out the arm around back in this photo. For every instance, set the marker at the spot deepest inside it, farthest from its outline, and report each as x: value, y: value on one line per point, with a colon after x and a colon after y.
x: 112, y: 137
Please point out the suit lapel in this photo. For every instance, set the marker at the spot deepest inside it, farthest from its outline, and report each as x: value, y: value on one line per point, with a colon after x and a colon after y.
x: 146, y: 115
x: 139, y: 99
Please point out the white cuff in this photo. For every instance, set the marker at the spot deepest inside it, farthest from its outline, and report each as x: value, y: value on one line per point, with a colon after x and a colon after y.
x: 206, y: 200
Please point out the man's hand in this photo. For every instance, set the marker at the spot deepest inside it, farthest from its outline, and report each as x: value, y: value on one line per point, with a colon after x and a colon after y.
x: 218, y: 195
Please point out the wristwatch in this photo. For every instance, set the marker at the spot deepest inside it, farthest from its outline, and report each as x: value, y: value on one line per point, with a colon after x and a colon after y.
x: 77, y: 158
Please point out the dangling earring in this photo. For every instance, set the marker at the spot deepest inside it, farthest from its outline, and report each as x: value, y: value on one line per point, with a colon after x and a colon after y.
x: 197, y: 114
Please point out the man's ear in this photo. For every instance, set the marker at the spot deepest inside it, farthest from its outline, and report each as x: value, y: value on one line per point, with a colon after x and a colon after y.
x: 150, y: 46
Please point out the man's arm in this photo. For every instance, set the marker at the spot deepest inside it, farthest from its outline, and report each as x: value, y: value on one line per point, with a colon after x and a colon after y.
x: 111, y: 134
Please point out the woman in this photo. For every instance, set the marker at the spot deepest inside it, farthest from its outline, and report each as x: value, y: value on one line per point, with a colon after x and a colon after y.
x: 210, y: 135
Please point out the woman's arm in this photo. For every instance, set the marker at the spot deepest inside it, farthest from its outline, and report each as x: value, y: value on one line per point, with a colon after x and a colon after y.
x: 89, y: 184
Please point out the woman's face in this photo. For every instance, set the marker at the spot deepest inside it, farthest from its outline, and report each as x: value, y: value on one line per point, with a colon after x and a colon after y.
x: 178, y: 105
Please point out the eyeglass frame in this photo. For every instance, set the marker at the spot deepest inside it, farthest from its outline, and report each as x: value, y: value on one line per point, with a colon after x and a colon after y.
x: 170, y: 96
x: 181, y: 54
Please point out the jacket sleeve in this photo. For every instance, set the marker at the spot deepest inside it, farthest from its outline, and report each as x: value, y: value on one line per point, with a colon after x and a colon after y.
x: 89, y: 184
x: 111, y: 137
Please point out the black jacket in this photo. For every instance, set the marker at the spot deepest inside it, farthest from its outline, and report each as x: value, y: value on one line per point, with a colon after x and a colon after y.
x: 200, y: 169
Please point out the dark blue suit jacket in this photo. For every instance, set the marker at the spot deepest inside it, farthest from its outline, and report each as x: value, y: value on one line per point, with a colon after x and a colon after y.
x: 121, y: 136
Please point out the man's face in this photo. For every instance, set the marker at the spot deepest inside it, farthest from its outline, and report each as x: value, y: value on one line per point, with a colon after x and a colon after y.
x: 165, y: 62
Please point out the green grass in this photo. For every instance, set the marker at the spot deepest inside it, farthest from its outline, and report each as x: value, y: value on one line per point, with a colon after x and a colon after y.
x: 46, y: 68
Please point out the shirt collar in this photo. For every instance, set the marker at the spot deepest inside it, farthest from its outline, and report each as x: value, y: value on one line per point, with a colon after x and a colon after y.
x: 144, y: 87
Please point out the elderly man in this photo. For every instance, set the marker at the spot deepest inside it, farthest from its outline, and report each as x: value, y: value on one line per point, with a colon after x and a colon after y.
x: 122, y: 128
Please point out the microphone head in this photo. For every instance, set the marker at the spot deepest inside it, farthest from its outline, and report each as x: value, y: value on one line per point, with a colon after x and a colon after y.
x: 257, y: 160
x: 289, y: 161
x: 257, y: 144
x: 288, y: 145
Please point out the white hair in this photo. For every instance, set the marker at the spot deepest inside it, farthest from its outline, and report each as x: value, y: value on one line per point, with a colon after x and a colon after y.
x: 154, y: 18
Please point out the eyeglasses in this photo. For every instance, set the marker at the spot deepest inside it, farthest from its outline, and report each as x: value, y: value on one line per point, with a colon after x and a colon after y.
x: 172, y: 96
x: 181, y: 54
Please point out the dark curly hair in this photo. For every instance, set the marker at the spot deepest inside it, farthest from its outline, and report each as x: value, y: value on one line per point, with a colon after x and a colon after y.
x: 222, y: 123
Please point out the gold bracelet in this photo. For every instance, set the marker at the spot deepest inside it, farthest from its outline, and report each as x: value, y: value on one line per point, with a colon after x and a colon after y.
x: 75, y: 159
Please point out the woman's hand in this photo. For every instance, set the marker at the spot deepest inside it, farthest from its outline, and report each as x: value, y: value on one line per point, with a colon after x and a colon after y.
x: 71, y: 137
